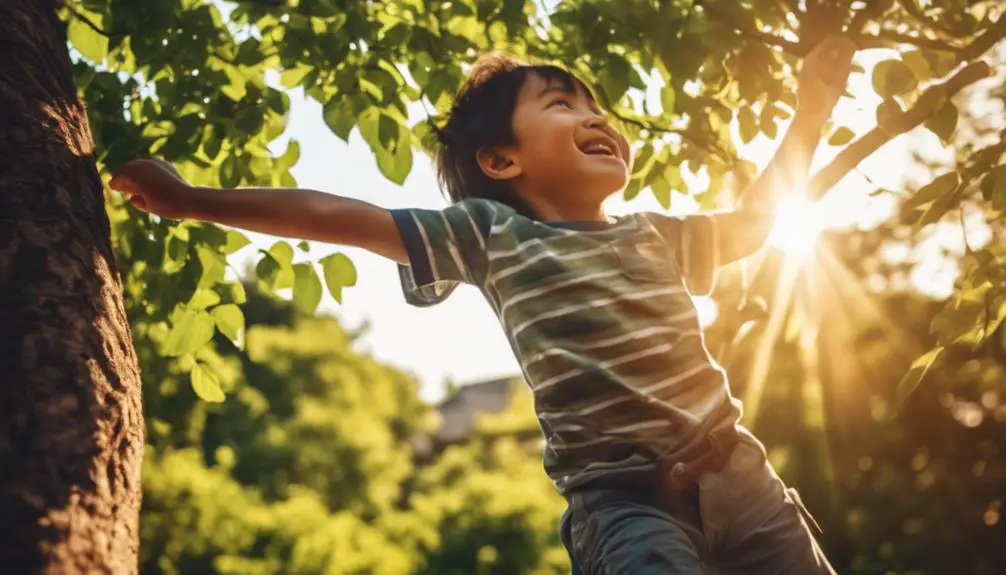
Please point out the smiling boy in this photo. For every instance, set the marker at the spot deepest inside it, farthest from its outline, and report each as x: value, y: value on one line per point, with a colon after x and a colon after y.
x: 642, y: 433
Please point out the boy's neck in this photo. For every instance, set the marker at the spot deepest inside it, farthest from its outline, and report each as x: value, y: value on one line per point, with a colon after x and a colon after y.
x: 553, y: 212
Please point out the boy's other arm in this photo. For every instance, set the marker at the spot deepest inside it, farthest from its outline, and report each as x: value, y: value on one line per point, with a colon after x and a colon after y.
x: 156, y: 187
x: 821, y: 82
x: 743, y: 230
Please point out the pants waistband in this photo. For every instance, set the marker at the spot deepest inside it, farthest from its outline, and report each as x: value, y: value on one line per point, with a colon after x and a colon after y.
x: 676, y: 472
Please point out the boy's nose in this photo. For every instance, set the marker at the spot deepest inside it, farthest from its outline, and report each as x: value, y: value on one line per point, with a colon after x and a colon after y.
x: 596, y: 121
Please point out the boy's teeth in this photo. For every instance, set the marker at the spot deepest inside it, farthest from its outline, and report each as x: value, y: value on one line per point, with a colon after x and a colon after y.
x: 600, y: 148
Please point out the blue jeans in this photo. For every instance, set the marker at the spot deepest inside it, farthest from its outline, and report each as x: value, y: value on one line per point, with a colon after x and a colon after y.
x: 741, y: 519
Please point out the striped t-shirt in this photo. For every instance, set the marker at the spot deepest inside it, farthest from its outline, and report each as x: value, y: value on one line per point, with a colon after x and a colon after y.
x: 600, y: 318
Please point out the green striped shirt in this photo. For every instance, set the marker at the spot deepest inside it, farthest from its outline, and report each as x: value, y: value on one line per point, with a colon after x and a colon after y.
x: 600, y: 317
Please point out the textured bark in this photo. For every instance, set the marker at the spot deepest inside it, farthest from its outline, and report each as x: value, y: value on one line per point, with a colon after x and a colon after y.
x: 71, y: 425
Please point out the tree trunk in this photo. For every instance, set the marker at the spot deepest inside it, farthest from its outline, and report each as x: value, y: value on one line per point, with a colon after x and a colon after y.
x: 71, y: 422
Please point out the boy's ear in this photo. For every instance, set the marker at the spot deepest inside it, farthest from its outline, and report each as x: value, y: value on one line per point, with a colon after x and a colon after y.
x: 498, y: 164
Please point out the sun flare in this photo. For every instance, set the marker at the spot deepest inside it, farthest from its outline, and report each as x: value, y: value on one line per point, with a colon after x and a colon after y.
x: 798, y: 224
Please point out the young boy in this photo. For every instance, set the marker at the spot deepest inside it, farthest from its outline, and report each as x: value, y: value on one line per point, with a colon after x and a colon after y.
x: 642, y: 433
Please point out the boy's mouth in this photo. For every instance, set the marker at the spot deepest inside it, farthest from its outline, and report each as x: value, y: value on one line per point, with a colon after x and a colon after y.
x: 600, y: 147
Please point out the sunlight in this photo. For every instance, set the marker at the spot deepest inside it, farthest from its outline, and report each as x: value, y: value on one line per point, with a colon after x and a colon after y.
x: 798, y: 223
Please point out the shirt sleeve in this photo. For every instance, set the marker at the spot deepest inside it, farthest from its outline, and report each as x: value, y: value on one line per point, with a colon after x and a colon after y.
x: 694, y: 242
x: 445, y: 248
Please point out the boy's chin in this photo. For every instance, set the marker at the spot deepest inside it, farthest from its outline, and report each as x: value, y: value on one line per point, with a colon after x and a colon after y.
x: 604, y: 186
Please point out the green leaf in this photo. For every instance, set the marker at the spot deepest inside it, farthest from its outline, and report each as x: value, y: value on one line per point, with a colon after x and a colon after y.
x: 937, y: 210
x: 615, y: 77
x: 306, y: 288
x: 339, y: 273
x: 282, y: 252
x: 667, y: 99
x: 230, y: 177
x: 916, y: 373
x: 294, y: 76
x: 267, y: 269
x: 235, y: 241
x: 289, y: 158
x: 397, y: 163
x: 304, y: 246
x: 932, y: 191
x: 214, y: 266
x: 888, y: 113
x: 231, y: 292
x: 371, y: 89
x: 661, y: 190
x: 642, y: 159
x: 338, y: 117
x: 203, y: 298
x: 91, y: 44
x: 747, y: 123
x: 918, y: 64
x: 212, y: 142
x: 993, y: 184
x: 275, y: 269
x: 841, y: 137
x: 388, y: 131
x: 941, y: 62
x: 767, y: 121
x: 944, y: 122
x: 368, y: 125
x: 230, y: 320
x: 893, y: 77
x: 632, y: 190
x: 205, y: 384
x: 192, y: 331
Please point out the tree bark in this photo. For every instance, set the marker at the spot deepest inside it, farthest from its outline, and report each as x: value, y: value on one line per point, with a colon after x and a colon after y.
x: 71, y: 422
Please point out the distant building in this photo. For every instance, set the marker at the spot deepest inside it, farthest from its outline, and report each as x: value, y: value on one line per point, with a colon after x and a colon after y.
x: 459, y: 414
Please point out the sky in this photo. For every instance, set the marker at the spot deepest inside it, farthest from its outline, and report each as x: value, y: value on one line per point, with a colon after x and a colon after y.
x: 461, y: 340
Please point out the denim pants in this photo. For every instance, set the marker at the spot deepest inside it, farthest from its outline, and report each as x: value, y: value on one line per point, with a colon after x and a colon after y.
x: 741, y: 519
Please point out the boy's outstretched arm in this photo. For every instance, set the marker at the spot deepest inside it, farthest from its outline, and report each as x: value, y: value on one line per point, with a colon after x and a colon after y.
x: 822, y: 81
x: 155, y: 186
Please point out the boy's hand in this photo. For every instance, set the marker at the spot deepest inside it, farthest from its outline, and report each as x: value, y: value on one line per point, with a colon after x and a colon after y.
x: 823, y: 77
x: 154, y: 186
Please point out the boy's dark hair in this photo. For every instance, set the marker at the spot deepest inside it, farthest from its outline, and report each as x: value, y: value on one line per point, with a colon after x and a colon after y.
x: 481, y: 116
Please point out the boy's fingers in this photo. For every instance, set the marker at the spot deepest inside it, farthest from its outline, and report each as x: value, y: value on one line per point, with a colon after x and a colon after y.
x: 121, y: 183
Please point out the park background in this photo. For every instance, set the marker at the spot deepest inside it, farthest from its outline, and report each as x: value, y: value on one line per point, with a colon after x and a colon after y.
x: 304, y: 435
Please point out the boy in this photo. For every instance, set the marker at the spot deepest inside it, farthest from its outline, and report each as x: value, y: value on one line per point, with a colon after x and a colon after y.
x: 642, y: 433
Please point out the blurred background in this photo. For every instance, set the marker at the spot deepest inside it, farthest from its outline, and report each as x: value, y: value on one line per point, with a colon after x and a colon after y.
x: 302, y: 419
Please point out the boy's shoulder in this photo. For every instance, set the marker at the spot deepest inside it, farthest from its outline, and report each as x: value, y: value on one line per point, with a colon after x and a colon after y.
x: 485, y: 212
x: 486, y: 206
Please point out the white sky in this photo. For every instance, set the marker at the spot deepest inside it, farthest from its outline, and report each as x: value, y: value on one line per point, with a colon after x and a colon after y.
x: 461, y: 340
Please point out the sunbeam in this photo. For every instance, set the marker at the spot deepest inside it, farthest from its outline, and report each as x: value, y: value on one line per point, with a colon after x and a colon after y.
x: 763, y: 356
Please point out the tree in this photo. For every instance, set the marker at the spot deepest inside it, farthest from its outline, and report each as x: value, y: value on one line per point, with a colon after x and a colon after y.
x: 72, y: 427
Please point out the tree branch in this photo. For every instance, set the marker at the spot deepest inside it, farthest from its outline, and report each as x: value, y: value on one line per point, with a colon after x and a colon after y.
x: 928, y: 104
x: 751, y: 32
x: 685, y: 135
x: 986, y: 40
x: 885, y: 38
x: 788, y: 46
x: 78, y: 15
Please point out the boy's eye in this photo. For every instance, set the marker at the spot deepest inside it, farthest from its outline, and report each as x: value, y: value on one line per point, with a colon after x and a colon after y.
x: 561, y: 102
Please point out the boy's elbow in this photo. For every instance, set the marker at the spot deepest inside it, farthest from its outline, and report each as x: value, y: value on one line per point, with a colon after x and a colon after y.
x: 743, y: 233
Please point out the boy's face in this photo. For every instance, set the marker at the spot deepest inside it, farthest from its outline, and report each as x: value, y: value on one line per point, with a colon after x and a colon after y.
x: 565, y: 148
